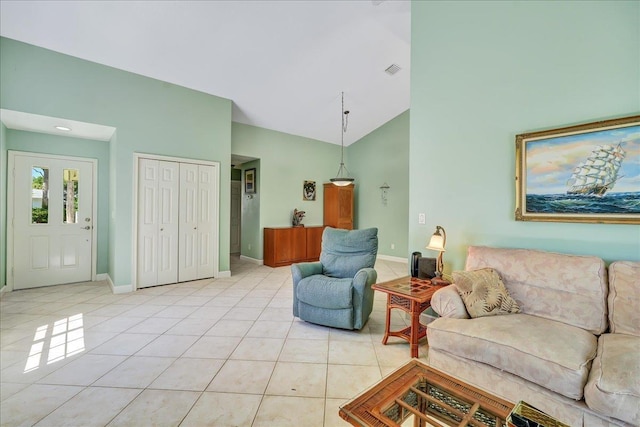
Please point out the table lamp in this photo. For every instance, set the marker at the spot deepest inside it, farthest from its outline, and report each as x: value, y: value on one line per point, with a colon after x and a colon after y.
x: 436, y: 243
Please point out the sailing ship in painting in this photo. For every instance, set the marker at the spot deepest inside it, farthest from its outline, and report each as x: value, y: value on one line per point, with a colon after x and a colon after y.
x: 599, y: 173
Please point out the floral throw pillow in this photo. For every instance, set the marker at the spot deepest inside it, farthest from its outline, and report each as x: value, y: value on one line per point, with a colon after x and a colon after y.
x: 483, y: 293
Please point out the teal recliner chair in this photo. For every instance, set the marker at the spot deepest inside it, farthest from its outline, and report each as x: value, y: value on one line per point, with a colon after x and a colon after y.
x: 337, y: 290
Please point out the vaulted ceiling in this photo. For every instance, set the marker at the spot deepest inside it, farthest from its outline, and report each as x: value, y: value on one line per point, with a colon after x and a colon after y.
x: 282, y: 63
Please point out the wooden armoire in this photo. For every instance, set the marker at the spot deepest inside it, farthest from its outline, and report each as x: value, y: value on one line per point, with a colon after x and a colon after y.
x: 338, y: 206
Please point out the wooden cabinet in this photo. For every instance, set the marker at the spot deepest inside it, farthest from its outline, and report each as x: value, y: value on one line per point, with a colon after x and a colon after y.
x: 288, y: 245
x: 338, y: 206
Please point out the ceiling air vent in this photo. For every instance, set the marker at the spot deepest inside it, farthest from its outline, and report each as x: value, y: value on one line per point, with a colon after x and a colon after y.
x: 392, y: 69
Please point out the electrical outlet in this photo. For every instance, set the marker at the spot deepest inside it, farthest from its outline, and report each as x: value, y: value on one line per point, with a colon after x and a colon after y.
x: 249, y: 246
x: 422, y: 218
x: 393, y: 246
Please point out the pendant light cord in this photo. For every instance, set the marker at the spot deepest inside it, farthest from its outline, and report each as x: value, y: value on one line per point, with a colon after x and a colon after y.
x: 345, y: 123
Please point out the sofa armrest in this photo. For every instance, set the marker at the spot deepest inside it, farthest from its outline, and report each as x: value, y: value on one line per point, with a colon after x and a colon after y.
x: 447, y: 303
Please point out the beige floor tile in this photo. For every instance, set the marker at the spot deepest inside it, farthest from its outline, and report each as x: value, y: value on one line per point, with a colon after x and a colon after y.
x: 156, y: 408
x: 8, y: 389
x: 332, y: 413
x: 304, y: 330
x: 215, y: 313
x: 298, y: 379
x: 168, y: 346
x: 135, y: 372
x: 286, y: 411
x: 258, y: 349
x: 347, y: 381
x: 223, y: 301
x: 310, y: 351
x: 212, y: 347
x: 93, y: 406
x: 223, y: 410
x: 351, y: 336
x: 116, y: 324
x: 269, y: 329
x: 153, y: 325
x: 124, y: 344
x: 28, y: 406
x: 191, y: 326
x: 253, y: 302
x: 242, y: 376
x: 277, y: 314
x: 188, y: 374
x: 176, y: 311
x: 146, y: 310
x: 243, y: 313
x: 194, y: 301
x: 84, y: 370
x: 352, y: 353
x: 230, y: 328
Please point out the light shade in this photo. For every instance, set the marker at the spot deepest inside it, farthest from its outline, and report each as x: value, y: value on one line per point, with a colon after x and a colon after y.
x: 436, y: 243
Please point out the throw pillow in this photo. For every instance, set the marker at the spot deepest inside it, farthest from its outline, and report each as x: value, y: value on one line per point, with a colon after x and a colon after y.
x: 483, y: 293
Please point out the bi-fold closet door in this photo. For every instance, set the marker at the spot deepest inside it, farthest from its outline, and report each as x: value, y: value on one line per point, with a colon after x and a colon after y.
x: 176, y: 223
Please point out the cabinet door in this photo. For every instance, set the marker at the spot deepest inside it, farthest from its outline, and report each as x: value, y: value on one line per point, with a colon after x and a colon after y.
x: 314, y: 243
x: 345, y: 207
x: 298, y: 244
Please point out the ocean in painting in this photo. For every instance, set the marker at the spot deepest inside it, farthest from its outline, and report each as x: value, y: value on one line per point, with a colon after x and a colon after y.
x: 610, y: 203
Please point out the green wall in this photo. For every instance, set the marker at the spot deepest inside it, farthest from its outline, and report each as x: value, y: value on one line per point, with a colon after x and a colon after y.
x: 3, y: 205
x: 483, y: 72
x: 76, y: 147
x: 286, y: 161
x: 379, y: 157
x: 150, y: 116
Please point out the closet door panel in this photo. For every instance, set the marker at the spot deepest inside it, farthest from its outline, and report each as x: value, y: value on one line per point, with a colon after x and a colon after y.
x: 147, y: 223
x: 188, y: 219
x: 168, y: 186
x: 206, y: 230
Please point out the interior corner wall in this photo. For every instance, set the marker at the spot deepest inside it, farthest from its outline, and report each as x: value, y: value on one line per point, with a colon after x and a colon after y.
x: 3, y: 205
x: 286, y: 161
x: 483, y: 72
x: 381, y: 157
x: 75, y: 147
x: 150, y: 116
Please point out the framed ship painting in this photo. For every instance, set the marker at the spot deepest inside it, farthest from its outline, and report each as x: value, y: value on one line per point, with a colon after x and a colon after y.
x: 584, y: 173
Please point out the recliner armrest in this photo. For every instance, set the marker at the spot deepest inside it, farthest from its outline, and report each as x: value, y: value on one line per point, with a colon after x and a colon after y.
x: 304, y: 269
x: 364, y: 276
x: 447, y: 303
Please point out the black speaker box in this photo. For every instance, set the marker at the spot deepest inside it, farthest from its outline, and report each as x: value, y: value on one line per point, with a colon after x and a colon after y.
x: 426, y: 268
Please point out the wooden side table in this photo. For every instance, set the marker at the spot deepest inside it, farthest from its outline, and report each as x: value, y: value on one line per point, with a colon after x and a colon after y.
x: 413, y: 296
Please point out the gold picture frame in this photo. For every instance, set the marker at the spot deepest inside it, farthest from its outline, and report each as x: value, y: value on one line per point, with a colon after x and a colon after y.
x: 588, y: 173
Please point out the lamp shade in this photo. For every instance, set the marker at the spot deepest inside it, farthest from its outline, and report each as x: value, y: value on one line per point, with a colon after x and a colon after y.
x: 436, y: 243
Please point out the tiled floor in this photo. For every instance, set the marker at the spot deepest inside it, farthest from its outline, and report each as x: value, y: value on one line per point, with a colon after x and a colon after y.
x: 223, y: 352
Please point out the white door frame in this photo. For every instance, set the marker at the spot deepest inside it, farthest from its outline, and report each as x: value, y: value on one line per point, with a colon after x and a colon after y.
x: 134, y: 219
x: 10, y: 208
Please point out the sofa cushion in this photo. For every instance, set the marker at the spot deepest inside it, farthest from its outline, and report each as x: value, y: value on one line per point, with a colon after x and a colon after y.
x: 551, y: 354
x: 551, y: 285
x: 344, y: 252
x: 484, y: 293
x: 614, y: 381
x: 624, y: 297
x: 325, y: 292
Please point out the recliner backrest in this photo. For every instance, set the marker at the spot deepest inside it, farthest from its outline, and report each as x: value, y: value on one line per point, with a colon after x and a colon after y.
x: 344, y: 252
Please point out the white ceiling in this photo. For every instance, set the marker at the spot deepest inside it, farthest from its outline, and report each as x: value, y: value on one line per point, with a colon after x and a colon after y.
x: 282, y: 63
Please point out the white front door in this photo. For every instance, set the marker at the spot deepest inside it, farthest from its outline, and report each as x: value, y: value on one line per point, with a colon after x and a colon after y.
x: 53, y: 219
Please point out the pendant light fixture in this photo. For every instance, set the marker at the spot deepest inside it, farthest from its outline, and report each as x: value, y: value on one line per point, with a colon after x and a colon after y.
x: 342, y: 178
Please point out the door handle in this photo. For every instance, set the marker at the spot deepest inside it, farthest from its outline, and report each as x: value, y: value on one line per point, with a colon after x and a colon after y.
x: 88, y: 227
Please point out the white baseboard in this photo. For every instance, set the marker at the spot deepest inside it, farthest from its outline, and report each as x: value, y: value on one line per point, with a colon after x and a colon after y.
x: 4, y: 290
x: 102, y: 276
x: 393, y: 258
x: 122, y: 289
x: 251, y: 260
x: 223, y: 274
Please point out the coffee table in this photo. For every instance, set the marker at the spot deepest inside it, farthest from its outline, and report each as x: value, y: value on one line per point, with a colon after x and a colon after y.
x: 429, y: 396
x: 413, y: 296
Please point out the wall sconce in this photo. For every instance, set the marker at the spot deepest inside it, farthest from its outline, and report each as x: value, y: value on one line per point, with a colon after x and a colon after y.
x: 384, y: 188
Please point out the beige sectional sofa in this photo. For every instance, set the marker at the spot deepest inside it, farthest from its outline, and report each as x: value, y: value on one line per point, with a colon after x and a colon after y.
x: 573, y: 350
